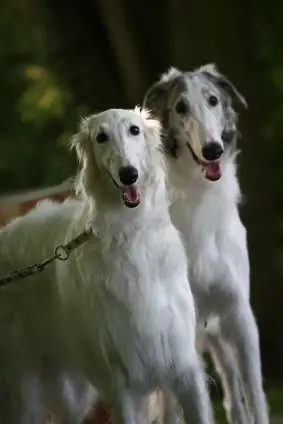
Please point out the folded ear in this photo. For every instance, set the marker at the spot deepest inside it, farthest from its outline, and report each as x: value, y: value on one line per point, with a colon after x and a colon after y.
x: 210, y: 71
x: 156, y: 96
x: 80, y: 141
x: 172, y: 73
x: 152, y: 124
x: 157, y: 99
x: 210, y: 68
x: 89, y: 173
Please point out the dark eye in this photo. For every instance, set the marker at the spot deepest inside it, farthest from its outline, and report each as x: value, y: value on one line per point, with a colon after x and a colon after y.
x: 212, y: 101
x: 101, y: 137
x: 181, y: 107
x: 134, y: 130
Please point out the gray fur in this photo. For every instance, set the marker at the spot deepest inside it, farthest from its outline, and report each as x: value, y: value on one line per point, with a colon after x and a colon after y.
x: 158, y: 99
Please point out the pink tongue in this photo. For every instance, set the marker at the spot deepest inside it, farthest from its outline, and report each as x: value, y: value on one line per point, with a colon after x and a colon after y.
x: 213, y: 170
x: 131, y: 193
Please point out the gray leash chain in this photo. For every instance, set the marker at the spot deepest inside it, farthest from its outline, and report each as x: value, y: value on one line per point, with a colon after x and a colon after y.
x: 61, y: 253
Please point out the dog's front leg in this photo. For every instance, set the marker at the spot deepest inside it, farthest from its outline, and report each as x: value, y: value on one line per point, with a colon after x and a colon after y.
x: 239, y: 328
x: 192, y: 393
x: 67, y: 393
x: 225, y: 364
x: 127, y: 408
x: 171, y: 410
x: 20, y: 399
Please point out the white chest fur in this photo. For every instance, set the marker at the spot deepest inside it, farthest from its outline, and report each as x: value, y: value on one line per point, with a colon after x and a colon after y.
x: 215, y: 239
x: 130, y: 304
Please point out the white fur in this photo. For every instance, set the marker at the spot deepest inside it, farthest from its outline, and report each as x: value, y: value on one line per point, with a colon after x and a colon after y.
x: 215, y: 239
x: 119, y: 313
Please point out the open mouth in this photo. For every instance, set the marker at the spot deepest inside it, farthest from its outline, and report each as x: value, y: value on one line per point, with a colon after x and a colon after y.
x: 211, y: 169
x: 130, y: 195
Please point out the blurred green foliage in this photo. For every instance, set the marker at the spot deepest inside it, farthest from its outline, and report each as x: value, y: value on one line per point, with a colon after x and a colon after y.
x: 37, y: 115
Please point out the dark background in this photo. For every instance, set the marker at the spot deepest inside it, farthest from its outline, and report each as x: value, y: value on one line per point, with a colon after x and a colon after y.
x: 63, y: 59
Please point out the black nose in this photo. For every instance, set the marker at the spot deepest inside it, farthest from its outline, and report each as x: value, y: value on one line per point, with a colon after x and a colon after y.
x: 212, y: 151
x: 128, y: 175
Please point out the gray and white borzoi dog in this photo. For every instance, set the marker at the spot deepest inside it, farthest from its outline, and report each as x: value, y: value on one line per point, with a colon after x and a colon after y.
x: 200, y: 133
x: 119, y: 311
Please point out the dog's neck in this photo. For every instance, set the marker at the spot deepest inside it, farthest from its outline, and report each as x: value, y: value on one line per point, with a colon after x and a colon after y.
x: 186, y: 180
x: 119, y: 218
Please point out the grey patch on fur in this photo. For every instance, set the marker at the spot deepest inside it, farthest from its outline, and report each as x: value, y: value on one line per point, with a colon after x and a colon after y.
x: 161, y: 98
x: 158, y: 99
x: 227, y: 86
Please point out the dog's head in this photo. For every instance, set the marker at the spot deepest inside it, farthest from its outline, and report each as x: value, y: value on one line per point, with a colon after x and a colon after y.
x: 119, y: 150
x: 196, y: 111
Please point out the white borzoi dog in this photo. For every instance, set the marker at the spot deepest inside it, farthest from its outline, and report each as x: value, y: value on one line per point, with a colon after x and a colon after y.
x: 119, y: 311
x: 200, y: 132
